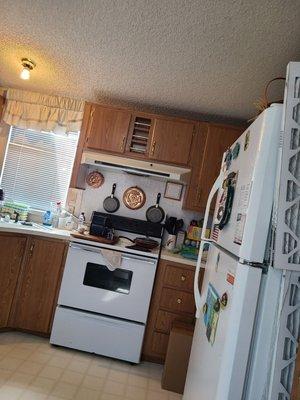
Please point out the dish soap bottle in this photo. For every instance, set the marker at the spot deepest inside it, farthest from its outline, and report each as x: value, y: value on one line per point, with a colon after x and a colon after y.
x: 47, y: 218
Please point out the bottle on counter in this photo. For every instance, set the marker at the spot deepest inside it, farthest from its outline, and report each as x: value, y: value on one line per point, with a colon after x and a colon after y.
x: 47, y: 218
x: 81, y: 223
x: 56, y: 213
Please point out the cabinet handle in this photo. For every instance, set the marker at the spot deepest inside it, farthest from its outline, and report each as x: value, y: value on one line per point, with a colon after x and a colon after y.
x: 183, y: 278
x: 153, y: 147
x: 179, y: 301
x: 123, y: 143
x: 31, y: 249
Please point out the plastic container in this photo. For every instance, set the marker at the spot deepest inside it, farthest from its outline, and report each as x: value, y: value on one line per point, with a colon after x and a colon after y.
x: 47, y: 218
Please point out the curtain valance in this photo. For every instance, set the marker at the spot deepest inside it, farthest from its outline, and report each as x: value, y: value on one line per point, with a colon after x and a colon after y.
x: 41, y: 112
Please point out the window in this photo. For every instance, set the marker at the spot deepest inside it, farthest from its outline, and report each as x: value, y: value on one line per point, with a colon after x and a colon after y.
x: 38, y: 167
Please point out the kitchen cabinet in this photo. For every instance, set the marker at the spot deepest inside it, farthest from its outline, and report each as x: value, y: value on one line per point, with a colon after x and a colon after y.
x: 140, y: 135
x: 209, y: 144
x: 171, y: 141
x: 153, y: 137
x: 39, y: 282
x: 172, y: 300
x: 107, y: 129
x: 11, y: 255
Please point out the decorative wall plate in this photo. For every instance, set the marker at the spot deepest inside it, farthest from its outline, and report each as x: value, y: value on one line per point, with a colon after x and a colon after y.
x: 134, y: 198
x: 95, y: 179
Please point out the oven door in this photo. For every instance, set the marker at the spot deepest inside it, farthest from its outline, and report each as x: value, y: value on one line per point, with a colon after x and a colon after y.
x: 89, y: 285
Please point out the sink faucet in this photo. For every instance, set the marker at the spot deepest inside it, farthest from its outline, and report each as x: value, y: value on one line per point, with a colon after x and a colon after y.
x: 17, y: 217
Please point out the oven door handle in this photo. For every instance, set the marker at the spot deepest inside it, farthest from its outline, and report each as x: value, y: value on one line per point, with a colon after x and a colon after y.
x: 139, y: 259
x: 127, y: 257
x: 79, y: 247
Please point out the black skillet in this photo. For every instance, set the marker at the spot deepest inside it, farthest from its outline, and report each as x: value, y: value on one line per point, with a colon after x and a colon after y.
x: 111, y: 204
x: 155, y: 213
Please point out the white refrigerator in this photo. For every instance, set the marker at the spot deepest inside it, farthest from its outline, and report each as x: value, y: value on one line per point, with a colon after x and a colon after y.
x: 240, y: 293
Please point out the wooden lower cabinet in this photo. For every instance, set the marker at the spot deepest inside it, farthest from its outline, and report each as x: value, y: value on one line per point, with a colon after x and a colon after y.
x: 172, y: 299
x: 39, y: 284
x: 12, y: 249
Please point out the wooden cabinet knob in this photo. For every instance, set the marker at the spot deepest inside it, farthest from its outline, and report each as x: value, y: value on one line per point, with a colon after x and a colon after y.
x: 183, y: 278
x: 179, y: 301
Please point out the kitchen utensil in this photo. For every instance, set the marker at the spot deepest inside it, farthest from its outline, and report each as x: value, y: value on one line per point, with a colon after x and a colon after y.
x: 144, y: 242
x: 95, y: 238
x: 173, y: 225
x: 134, y: 198
x: 95, y: 179
x: 155, y: 213
x: 111, y: 203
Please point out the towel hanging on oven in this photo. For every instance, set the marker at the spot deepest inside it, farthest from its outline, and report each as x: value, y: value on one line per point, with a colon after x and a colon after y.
x: 113, y: 259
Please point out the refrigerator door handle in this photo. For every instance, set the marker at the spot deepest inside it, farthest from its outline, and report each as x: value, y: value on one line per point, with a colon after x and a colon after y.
x: 216, y: 186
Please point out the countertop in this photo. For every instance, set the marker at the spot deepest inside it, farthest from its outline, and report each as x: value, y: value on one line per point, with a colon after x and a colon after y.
x: 40, y: 230
x: 35, y: 229
x: 169, y: 256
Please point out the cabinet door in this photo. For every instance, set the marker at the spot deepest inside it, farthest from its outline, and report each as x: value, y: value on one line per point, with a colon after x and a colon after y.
x: 206, y: 161
x: 39, y: 284
x: 11, y: 254
x: 108, y: 129
x: 171, y: 141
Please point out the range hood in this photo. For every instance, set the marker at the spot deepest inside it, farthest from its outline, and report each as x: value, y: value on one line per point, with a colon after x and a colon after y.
x: 136, y: 167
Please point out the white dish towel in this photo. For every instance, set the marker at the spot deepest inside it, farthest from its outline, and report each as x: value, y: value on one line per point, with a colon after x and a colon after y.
x: 113, y: 259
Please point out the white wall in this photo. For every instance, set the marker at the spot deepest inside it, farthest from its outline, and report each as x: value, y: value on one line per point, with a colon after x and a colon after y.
x: 92, y: 199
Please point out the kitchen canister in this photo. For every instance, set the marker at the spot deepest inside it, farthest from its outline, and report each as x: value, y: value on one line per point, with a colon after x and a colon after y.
x: 171, y: 242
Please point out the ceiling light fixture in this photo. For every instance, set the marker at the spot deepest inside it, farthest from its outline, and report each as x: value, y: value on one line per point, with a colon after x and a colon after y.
x: 28, y: 66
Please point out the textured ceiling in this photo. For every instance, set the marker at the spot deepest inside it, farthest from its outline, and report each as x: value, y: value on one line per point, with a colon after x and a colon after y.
x: 198, y: 57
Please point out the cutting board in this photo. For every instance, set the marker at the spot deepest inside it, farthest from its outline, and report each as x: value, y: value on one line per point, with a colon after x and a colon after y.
x: 98, y: 239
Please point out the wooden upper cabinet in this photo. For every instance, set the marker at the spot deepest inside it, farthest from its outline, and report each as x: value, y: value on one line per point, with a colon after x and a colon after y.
x: 171, y: 141
x: 36, y: 296
x: 140, y: 135
x: 11, y: 256
x: 107, y: 129
x: 210, y: 142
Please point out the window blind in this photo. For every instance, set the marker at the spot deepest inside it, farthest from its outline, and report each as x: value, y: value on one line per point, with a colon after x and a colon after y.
x: 38, y: 166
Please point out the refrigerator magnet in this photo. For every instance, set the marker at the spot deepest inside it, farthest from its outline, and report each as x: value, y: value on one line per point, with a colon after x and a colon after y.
x: 247, y: 140
x: 230, y: 278
x: 235, y: 151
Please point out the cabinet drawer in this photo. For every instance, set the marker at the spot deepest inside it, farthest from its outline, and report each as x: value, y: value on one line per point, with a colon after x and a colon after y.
x: 178, y: 301
x: 165, y: 320
x: 180, y: 278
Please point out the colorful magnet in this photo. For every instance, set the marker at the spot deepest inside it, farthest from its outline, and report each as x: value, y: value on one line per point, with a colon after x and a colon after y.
x: 217, y: 305
x: 247, y: 140
x: 236, y: 150
x: 228, y: 158
x: 224, y: 300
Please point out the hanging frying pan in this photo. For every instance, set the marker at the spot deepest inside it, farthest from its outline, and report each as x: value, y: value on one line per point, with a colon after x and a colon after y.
x: 155, y: 213
x: 111, y: 204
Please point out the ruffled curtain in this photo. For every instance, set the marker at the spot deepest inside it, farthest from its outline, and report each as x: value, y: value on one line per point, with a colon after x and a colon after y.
x: 41, y: 112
